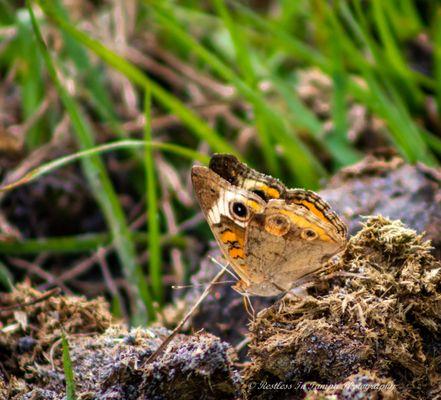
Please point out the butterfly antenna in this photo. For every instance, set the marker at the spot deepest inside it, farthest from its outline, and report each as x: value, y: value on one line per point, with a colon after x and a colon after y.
x: 246, y: 298
x: 224, y: 267
x: 177, y: 287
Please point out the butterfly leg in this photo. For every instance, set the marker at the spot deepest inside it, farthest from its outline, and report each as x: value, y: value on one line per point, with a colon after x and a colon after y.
x: 241, y: 288
x: 300, y: 290
x: 249, y: 306
x: 346, y: 274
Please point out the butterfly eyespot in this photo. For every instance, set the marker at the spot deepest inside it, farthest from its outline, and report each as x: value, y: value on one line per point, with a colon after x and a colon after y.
x: 278, y: 221
x: 239, y: 210
x: 277, y: 225
x: 309, y: 234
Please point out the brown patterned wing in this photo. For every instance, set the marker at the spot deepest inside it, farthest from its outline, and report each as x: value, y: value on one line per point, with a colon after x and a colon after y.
x: 240, y: 175
x: 228, y: 210
x: 287, y: 243
x: 317, y: 206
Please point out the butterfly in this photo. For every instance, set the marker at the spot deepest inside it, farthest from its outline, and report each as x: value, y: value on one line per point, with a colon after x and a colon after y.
x: 272, y: 236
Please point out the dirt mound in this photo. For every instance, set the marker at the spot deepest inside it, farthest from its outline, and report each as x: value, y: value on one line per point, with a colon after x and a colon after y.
x: 31, y: 323
x: 112, y: 366
x: 386, y: 320
x: 364, y: 385
x: 109, y: 361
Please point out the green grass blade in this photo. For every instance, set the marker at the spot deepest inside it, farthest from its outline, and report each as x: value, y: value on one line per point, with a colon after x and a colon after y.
x: 295, y: 47
x: 376, y: 97
x: 119, y: 144
x: 381, y: 96
x: 116, y: 307
x: 6, y: 277
x: 6, y: 12
x: 248, y: 74
x: 305, y: 167
x: 79, y: 244
x: 58, y: 245
x: 242, y: 52
x: 433, y: 141
x: 102, y: 189
x: 386, y: 36
x: 199, y: 128
x: 436, y: 27
x: 30, y: 78
x: 302, y: 163
x: 68, y: 368
x: 92, y: 75
x: 403, y: 130
x: 300, y: 115
x: 338, y: 141
x: 391, y: 53
x: 410, y: 13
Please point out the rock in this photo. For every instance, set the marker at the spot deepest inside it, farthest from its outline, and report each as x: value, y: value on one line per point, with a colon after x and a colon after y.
x: 383, y: 184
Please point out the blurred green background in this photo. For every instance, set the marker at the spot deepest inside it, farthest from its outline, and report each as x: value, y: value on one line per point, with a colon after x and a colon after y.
x: 138, y: 91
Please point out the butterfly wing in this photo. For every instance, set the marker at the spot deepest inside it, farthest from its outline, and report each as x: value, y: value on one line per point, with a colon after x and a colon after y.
x: 240, y: 175
x: 286, y: 243
x: 228, y: 210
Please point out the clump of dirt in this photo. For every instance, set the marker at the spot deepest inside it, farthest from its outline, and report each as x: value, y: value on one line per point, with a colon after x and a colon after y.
x: 113, y: 366
x: 386, y: 319
x: 197, y: 366
x: 31, y: 322
x: 109, y: 361
x: 383, y: 184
